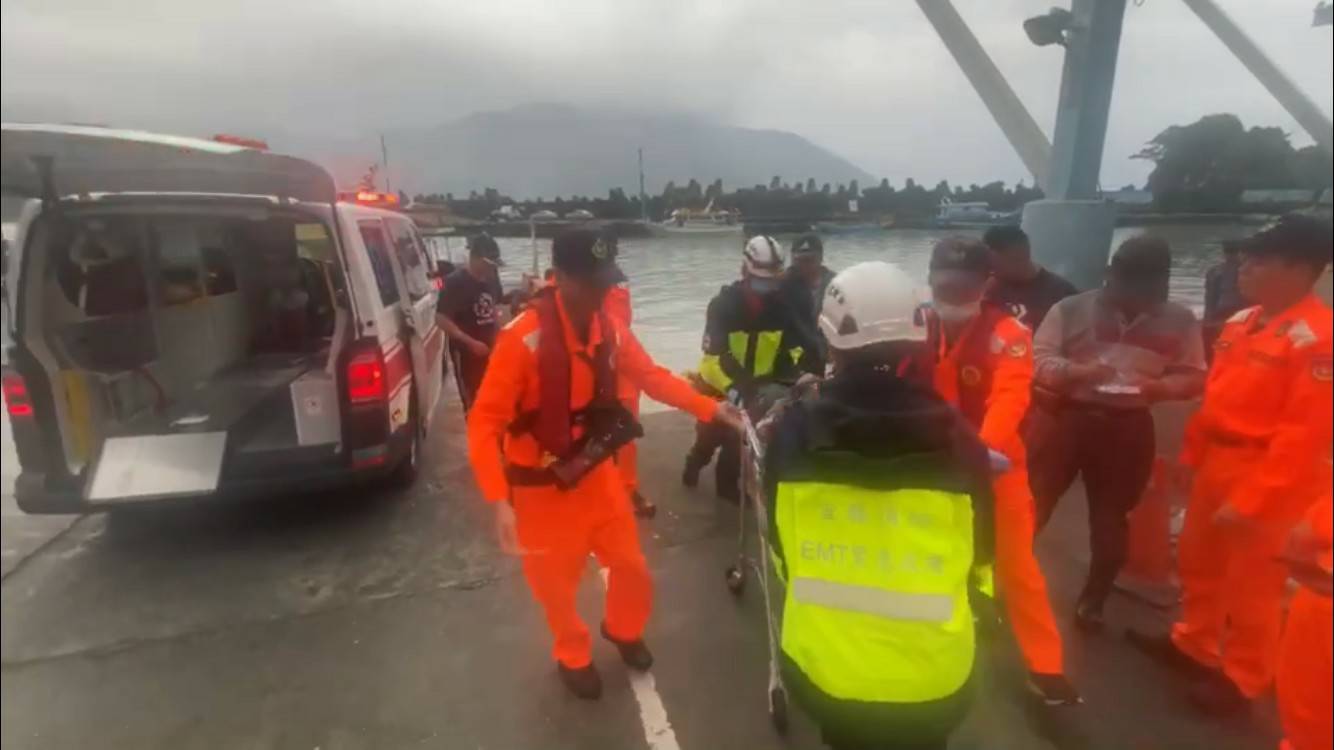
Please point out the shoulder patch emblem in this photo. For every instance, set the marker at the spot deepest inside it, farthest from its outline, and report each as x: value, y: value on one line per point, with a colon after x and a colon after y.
x: 1301, y: 335
x: 970, y: 375
x: 531, y: 340
x: 1017, y: 349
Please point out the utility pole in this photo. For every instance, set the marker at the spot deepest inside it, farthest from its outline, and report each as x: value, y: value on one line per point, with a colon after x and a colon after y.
x: 384, y: 162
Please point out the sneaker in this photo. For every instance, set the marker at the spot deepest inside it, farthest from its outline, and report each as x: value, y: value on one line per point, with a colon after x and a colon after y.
x: 634, y: 653
x: 584, y: 682
x: 1054, y: 689
x: 1162, y: 650
x: 644, y: 508
x: 1219, y: 697
x: 1088, y: 617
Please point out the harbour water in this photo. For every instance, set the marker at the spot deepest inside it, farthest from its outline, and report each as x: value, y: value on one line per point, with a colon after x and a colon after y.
x: 672, y: 279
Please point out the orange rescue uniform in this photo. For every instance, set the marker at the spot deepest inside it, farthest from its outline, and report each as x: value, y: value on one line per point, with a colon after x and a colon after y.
x: 559, y: 529
x: 617, y: 307
x: 989, y: 371
x: 1257, y: 444
x: 1305, y: 661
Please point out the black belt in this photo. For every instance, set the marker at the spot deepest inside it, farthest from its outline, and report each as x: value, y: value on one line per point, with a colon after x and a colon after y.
x: 529, y: 476
x: 1237, y: 441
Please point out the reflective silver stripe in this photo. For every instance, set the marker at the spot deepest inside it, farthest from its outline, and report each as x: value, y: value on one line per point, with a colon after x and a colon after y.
x: 894, y: 605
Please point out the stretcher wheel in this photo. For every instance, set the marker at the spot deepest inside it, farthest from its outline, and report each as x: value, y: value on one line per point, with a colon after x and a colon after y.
x: 778, y: 709
x: 736, y: 580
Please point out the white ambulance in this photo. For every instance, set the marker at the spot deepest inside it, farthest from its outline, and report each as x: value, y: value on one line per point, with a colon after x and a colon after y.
x: 193, y: 318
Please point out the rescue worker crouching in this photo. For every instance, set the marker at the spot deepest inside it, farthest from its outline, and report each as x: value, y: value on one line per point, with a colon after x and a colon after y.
x: 753, y: 336
x: 545, y: 421
x: 984, y: 367
x: 881, y: 511
x: 1256, y: 453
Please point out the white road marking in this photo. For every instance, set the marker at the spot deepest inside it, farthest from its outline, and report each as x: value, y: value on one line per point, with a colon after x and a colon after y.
x: 652, y: 714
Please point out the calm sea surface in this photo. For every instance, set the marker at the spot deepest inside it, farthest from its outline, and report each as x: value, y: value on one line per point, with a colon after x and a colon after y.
x: 672, y: 279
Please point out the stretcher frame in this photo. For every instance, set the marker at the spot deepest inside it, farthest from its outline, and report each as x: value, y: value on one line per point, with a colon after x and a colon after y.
x: 752, y: 494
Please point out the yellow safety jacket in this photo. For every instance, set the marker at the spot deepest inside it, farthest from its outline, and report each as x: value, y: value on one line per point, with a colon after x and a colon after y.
x: 745, y: 345
x: 881, y: 521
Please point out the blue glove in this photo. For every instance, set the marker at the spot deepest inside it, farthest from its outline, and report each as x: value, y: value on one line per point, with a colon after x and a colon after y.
x: 999, y: 463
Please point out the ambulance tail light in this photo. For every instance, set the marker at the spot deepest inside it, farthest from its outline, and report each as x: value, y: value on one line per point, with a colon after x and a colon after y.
x: 365, y: 377
x: 18, y: 402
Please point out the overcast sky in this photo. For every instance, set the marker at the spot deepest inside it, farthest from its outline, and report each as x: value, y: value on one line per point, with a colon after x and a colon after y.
x: 867, y: 79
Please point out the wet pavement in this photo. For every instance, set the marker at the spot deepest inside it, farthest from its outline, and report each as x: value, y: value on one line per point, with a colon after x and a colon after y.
x: 369, y: 619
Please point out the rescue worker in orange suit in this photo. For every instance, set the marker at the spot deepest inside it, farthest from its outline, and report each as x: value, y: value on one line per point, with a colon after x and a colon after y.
x: 545, y: 421
x: 984, y: 367
x: 1305, y: 662
x: 1256, y: 450
x: 617, y: 307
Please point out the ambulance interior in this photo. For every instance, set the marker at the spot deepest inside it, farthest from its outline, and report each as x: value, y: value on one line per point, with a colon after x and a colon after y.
x: 161, y: 322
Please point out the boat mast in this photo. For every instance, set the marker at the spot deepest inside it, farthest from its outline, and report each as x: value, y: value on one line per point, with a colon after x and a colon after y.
x: 643, y: 199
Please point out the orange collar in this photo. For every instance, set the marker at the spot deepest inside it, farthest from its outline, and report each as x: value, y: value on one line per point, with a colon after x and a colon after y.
x: 1295, y: 312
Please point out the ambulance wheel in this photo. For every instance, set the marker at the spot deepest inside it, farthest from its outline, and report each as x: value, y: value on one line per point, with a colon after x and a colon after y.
x: 736, y: 580
x: 405, y: 474
x: 778, y: 709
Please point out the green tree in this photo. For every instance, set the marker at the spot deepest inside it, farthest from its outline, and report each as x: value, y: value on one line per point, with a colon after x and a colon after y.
x: 1205, y: 166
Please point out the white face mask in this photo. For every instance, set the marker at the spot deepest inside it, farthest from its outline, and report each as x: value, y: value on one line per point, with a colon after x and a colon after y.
x: 762, y: 286
x: 957, y: 313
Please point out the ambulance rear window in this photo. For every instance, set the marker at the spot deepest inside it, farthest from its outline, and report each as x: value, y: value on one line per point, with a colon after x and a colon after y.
x: 377, y: 247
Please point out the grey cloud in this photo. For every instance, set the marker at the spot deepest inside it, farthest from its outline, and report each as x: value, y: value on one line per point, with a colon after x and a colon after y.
x: 865, y: 78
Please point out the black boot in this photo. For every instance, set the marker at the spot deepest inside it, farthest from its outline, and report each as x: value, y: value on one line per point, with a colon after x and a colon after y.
x: 644, y: 508
x: 1219, y: 696
x: 585, y: 682
x: 634, y: 653
x: 1053, y: 689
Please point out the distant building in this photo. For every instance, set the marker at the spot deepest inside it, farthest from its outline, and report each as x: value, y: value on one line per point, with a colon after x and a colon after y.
x: 1282, y: 199
x: 1124, y: 197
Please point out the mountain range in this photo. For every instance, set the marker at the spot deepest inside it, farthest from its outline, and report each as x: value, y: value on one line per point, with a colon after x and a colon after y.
x: 546, y: 150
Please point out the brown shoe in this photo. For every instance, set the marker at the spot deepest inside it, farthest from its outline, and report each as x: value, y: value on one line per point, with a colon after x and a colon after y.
x: 1219, y: 696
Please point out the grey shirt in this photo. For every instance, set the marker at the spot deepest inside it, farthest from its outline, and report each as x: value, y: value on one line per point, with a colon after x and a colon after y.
x: 1165, y: 344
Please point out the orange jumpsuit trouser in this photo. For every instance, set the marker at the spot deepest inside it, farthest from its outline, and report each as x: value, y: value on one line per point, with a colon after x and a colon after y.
x: 1020, y: 578
x: 559, y: 530
x: 1305, y: 662
x: 1231, y: 584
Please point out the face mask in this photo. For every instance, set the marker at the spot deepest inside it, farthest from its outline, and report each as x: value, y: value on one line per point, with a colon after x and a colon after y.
x: 763, y: 286
x: 957, y: 313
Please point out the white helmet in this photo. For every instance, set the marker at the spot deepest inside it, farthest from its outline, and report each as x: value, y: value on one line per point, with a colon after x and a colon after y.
x: 763, y: 257
x: 871, y: 303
